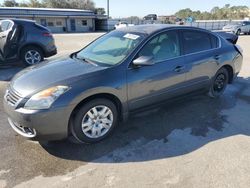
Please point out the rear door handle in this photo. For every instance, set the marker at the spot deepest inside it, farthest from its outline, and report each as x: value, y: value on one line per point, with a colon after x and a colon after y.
x: 179, y: 68
x: 217, y: 57
x: 3, y: 36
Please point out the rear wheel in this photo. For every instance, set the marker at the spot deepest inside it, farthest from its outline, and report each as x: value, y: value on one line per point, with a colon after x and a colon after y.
x: 219, y: 83
x: 31, y: 55
x: 94, y: 121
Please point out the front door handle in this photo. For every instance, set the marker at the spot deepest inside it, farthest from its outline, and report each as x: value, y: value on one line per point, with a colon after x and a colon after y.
x: 3, y: 36
x: 179, y: 68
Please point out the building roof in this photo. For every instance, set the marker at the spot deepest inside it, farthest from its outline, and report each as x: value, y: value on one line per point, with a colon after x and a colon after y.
x: 44, y: 9
x: 6, y: 11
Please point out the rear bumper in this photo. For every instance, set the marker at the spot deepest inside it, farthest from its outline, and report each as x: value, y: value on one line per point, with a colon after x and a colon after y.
x: 49, y: 124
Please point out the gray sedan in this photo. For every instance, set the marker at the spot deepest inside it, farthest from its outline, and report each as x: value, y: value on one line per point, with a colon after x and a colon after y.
x: 88, y: 93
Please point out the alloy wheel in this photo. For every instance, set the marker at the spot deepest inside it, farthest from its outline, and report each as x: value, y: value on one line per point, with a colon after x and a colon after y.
x: 97, y: 121
x: 220, y: 83
x: 32, y: 57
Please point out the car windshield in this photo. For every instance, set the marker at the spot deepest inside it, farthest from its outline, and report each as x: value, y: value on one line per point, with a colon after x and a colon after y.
x: 111, y: 48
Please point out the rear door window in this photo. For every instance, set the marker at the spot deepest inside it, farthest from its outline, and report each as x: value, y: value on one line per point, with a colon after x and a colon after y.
x: 197, y: 41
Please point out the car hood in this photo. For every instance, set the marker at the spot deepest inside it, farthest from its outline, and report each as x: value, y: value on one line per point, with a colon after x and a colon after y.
x: 44, y: 75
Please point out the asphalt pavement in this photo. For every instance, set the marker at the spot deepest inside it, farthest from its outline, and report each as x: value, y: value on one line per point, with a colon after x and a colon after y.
x: 194, y: 142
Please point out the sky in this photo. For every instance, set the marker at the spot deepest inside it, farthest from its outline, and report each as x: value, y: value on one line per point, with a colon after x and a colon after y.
x: 126, y: 8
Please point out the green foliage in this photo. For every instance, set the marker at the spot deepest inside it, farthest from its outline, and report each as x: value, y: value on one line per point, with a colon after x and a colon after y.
x: 74, y: 4
x: 100, y: 11
x: 10, y: 3
x: 226, y: 12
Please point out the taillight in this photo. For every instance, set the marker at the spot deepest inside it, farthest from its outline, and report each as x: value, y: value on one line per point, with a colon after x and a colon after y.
x: 47, y: 34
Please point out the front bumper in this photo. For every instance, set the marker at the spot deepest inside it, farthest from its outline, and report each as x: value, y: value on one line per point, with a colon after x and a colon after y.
x: 51, y: 124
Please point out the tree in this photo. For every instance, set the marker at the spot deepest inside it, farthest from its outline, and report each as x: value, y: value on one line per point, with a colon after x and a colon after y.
x: 184, y: 13
x: 55, y: 3
x: 34, y: 3
x: 75, y: 4
x: 23, y: 4
x: 10, y: 3
x: 216, y: 13
x: 82, y: 4
x: 100, y: 11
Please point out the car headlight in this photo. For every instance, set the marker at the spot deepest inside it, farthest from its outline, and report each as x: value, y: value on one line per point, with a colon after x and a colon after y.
x: 44, y: 99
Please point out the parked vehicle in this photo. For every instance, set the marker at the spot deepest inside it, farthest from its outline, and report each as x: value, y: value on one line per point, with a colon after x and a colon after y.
x: 122, y: 24
x: 86, y: 94
x: 25, y: 40
x: 238, y: 28
x: 150, y: 17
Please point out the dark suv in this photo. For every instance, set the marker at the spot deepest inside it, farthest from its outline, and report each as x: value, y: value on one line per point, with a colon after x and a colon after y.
x: 25, y: 40
x: 150, y: 17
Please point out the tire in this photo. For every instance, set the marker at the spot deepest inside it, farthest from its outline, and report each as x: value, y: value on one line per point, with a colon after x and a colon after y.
x: 85, y: 129
x: 219, y: 83
x: 238, y: 32
x: 31, y: 55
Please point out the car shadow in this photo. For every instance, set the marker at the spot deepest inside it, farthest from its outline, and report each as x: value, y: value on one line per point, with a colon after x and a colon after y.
x: 8, y: 71
x: 173, y: 129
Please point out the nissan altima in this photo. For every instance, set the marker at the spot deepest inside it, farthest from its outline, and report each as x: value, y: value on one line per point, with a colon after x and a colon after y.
x: 88, y: 93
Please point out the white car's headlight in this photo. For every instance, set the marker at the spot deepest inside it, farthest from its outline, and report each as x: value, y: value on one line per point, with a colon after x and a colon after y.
x: 44, y: 99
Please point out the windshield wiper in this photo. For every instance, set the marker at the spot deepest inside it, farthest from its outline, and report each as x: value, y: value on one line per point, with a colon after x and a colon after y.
x: 85, y: 60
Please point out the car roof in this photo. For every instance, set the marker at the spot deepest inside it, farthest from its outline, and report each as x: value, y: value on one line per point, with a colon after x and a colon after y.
x: 149, y: 29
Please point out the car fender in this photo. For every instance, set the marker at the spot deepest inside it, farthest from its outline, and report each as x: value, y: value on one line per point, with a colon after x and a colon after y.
x: 99, y: 92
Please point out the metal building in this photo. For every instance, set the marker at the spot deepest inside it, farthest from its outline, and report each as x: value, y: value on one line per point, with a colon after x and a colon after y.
x: 57, y: 20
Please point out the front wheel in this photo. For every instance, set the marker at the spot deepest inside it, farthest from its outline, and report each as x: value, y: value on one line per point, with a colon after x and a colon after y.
x: 31, y: 55
x: 94, y: 121
x: 219, y: 83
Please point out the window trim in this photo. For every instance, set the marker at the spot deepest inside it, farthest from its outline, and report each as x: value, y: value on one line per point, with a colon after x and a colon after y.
x: 209, y: 37
x: 202, y: 51
x: 152, y: 37
x: 179, y: 30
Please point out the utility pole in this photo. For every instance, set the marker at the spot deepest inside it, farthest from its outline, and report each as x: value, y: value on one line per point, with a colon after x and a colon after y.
x: 108, y: 8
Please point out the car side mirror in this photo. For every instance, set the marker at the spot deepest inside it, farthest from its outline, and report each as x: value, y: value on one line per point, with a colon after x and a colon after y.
x: 144, y: 61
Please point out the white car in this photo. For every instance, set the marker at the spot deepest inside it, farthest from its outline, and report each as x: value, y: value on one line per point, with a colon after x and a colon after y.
x: 243, y: 27
x: 122, y: 24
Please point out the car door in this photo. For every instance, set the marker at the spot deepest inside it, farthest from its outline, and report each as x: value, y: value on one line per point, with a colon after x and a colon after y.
x: 13, y: 41
x: 244, y: 27
x: 165, y: 78
x: 3, y: 37
x: 5, y: 29
x: 201, y: 57
x: 248, y: 27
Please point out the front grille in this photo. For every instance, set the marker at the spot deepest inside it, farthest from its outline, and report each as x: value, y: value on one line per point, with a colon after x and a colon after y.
x: 12, y: 97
